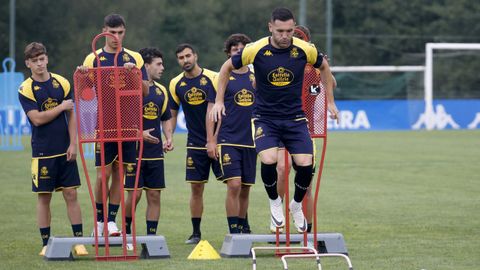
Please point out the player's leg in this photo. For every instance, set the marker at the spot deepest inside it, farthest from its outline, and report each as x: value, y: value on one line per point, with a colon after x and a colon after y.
x: 266, y: 141
x: 298, y: 142
x: 68, y: 181
x: 232, y: 205
x: 110, y: 155
x: 197, y: 170
x: 230, y: 165
x: 43, y: 218
x: 43, y: 184
x: 154, y: 183
x: 249, y: 171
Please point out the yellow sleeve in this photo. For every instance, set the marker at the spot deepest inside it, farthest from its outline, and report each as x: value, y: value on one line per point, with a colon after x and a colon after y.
x: 309, y: 49
x: 138, y: 57
x: 63, y: 82
x: 26, y: 90
x: 251, y: 50
x: 172, y: 86
x: 213, y: 76
x: 164, y: 91
x: 90, y: 59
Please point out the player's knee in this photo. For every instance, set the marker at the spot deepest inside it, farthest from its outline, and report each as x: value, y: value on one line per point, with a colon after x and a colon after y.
x: 234, y: 186
x: 303, y: 160
x: 70, y: 195
x: 153, y: 196
x: 197, y: 190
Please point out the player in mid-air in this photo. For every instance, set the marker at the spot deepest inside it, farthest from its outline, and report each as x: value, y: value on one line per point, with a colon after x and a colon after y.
x: 46, y: 99
x: 279, y: 62
x: 236, y: 149
x: 190, y: 89
x: 311, y: 77
x: 115, y: 25
x: 156, y: 114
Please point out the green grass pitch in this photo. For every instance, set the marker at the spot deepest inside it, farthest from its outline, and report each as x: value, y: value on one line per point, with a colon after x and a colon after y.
x: 402, y: 200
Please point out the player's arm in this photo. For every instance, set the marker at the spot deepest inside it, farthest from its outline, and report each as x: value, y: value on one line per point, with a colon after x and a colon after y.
x: 328, y: 79
x: 211, y: 136
x: 72, y: 132
x: 168, y: 134
x: 219, y: 108
x: 41, y: 118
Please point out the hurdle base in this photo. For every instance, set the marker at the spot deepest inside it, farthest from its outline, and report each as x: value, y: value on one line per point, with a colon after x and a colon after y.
x: 239, y: 245
x: 59, y: 248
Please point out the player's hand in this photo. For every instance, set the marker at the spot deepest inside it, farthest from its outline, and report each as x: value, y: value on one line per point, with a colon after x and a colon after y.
x: 129, y: 66
x: 148, y: 137
x: 168, y: 145
x: 334, y: 113
x: 72, y: 152
x: 212, y: 150
x: 82, y: 69
x: 217, y: 111
x: 67, y: 105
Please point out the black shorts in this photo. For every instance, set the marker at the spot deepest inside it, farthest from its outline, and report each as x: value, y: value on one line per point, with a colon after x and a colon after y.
x: 198, y: 166
x: 111, y: 153
x: 152, y: 175
x: 238, y: 162
x: 54, y: 174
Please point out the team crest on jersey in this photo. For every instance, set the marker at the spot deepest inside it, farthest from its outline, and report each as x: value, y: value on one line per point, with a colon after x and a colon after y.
x: 44, y: 173
x: 103, y: 58
x: 158, y: 91
x: 251, y: 77
x: 195, y: 96
x: 294, y: 53
x: 126, y: 58
x: 232, y: 78
x: 36, y: 88
x: 280, y: 76
x: 226, y: 159
x: 150, y: 111
x: 55, y: 84
x: 183, y: 84
x: 203, y: 81
x: 268, y: 53
x: 49, y: 104
x: 244, y: 98
x: 190, y: 163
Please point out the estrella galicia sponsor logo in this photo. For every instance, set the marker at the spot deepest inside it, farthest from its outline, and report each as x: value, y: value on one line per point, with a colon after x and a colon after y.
x: 150, y: 111
x: 195, y: 96
x: 280, y: 76
x: 49, y: 104
x: 244, y: 98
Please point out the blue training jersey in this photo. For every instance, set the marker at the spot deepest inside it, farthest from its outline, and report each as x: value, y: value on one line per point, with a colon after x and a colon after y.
x: 239, y: 103
x: 191, y: 94
x: 279, y: 75
x: 155, y: 109
x: 107, y: 60
x: 51, y: 139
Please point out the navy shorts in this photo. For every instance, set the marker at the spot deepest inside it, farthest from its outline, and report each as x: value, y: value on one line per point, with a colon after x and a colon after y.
x: 54, y: 174
x: 198, y: 166
x: 111, y: 153
x: 292, y: 133
x: 238, y: 162
x: 152, y: 175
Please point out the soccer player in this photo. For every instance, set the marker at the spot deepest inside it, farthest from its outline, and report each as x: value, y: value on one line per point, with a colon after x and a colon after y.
x: 303, y: 33
x: 236, y: 149
x: 115, y: 25
x: 156, y: 114
x: 190, y: 89
x: 279, y: 62
x: 46, y: 99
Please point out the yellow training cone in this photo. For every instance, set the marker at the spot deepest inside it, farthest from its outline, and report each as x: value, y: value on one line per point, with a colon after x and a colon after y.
x: 204, y: 251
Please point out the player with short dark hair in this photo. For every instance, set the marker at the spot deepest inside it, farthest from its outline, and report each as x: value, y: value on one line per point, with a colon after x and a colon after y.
x: 115, y: 25
x: 46, y: 99
x: 236, y: 149
x: 156, y: 114
x: 190, y: 90
x: 279, y: 62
